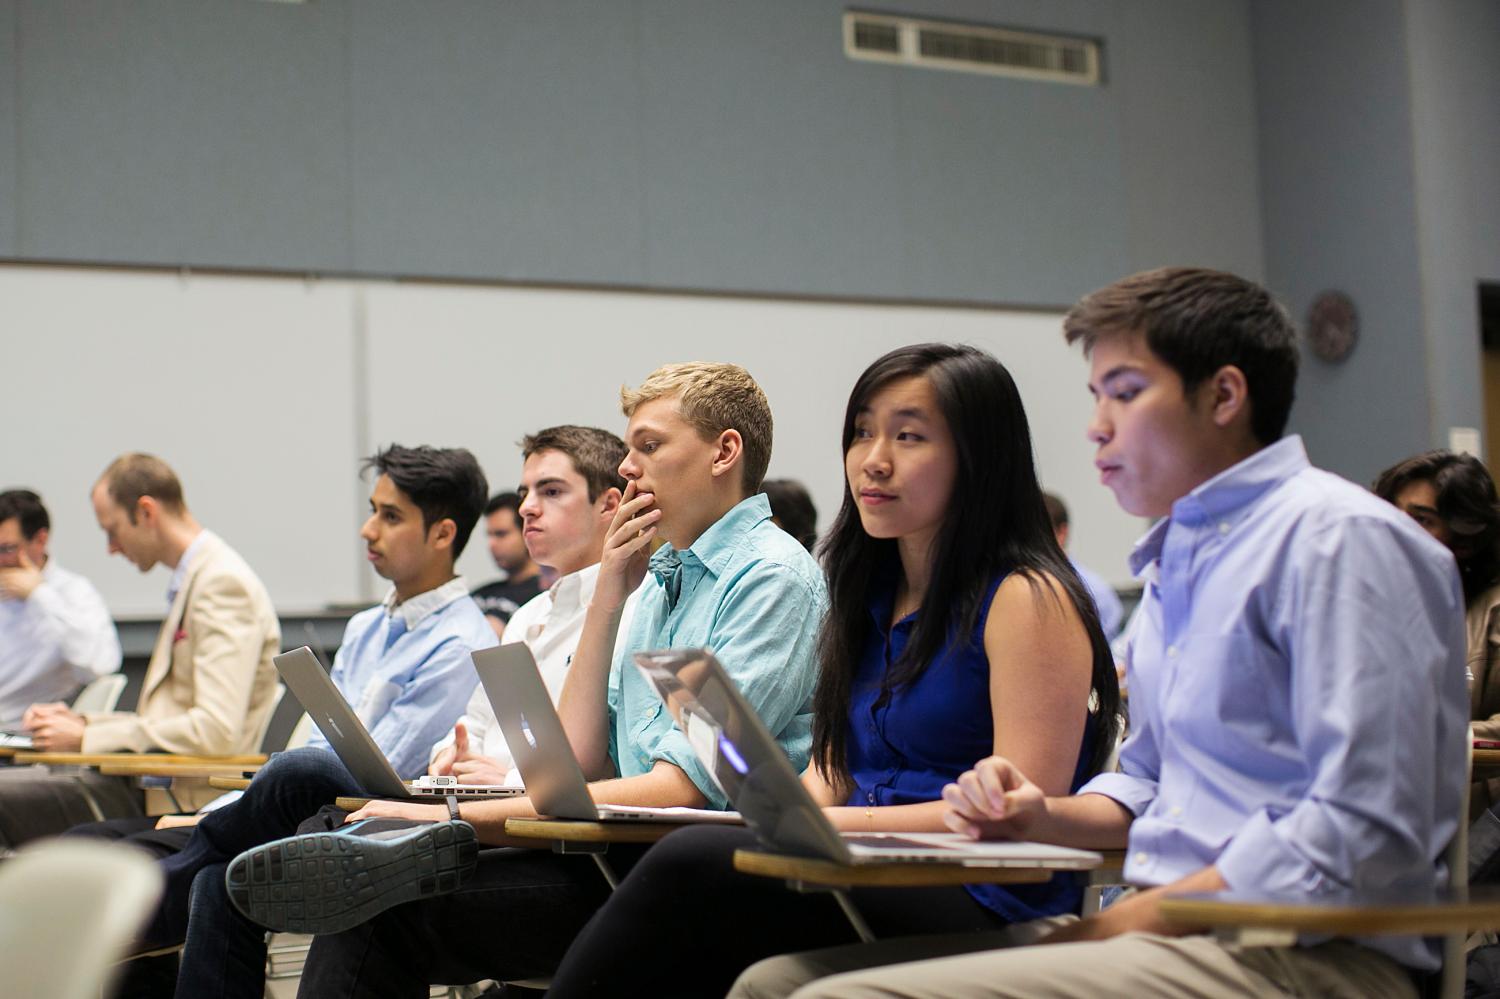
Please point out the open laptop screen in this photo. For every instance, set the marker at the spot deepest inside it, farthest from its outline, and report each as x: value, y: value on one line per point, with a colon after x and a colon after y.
x: 738, y: 751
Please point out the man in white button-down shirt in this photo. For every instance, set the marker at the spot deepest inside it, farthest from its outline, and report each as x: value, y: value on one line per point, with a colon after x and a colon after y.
x: 565, y: 511
x: 55, y: 632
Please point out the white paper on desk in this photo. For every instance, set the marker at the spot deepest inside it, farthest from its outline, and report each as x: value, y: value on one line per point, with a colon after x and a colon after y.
x: 699, y: 814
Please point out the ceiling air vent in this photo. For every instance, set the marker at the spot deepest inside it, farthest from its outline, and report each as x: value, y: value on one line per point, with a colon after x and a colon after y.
x: 971, y: 48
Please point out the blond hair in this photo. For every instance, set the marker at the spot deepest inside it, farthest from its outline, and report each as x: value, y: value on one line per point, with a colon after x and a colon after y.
x: 713, y: 398
x: 133, y: 475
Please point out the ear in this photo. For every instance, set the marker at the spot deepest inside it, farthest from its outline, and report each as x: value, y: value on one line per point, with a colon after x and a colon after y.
x: 40, y: 537
x: 443, y: 533
x: 1228, y: 396
x: 608, y: 502
x: 731, y: 448
x: 147, y: 511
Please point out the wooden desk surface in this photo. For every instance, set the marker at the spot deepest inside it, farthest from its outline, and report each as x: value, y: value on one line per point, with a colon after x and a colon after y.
x: 146, y: 768
x: 827, y: 874
x: 355, y: 804
x: 9, y: 751
x: 1486, y: 763
x: 1441, y: 913
x: 229, y: 783
x: 104, y: 759
x: 576, y: 831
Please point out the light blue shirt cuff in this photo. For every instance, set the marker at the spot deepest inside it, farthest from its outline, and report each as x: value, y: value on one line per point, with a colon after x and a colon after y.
x: 1134, y: 793
x: 1258, y: 859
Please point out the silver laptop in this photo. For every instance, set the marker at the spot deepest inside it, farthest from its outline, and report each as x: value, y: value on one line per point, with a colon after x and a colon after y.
x: 15, y: 740
x: 732, y: 742
x: 314, y: 688
x: 534, y: 733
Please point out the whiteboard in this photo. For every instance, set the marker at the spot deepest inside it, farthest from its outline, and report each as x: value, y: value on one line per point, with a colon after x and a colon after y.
x: 265, y: 392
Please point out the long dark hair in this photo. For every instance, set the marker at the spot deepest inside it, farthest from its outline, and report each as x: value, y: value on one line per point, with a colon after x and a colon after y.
x: 995, y: 524
x: 1466, y: 501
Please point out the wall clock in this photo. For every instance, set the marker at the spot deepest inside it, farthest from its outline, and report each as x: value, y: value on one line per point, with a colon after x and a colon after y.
x: 1332, y: 326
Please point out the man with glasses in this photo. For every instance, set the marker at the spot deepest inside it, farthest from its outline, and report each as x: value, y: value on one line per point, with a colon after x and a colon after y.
x: 55, y: 632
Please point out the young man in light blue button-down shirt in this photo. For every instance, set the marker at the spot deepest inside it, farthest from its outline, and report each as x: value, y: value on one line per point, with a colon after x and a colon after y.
x: 1298, y: 714
x: 699, y: 441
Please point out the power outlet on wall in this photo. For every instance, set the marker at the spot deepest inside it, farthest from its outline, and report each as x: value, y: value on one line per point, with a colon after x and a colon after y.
x: 1464, y: 440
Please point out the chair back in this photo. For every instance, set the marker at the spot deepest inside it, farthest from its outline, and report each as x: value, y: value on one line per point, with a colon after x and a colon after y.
x: 265, y: 724
x: 301, y: 732
x: 1455, y: 958
x: 1112, y: 761
x: 69, y: 908
x: 100, y: 695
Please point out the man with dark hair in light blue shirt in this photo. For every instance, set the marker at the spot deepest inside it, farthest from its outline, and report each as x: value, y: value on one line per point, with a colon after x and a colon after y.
x: 699, y: 440
x: 404, y: 664
x: 1298, y: 716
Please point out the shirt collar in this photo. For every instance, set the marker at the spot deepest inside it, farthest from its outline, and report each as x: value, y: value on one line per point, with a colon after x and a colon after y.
x: 179, y: 574
x: 716, y: 545
x: 419, y: 606
x: 1227, y: 497
x: 574, y: 590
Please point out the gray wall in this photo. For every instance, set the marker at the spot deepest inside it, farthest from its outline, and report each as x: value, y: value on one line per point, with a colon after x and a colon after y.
x: 1340, y: 212
x: 697, y: 145
x: 1379, y: 125
x: 686, y: 144
x: 1455, y: 55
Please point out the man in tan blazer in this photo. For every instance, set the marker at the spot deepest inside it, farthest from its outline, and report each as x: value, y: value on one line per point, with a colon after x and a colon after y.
x: 209, y: 687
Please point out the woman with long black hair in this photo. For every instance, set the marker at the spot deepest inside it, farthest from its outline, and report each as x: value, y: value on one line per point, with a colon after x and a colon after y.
x: 956, y: 630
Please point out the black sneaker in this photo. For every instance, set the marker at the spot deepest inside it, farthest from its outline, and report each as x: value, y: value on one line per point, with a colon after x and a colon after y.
x: 327, y: 882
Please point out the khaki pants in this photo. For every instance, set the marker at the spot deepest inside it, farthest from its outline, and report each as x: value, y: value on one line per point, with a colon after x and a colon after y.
x: 1136, y: 964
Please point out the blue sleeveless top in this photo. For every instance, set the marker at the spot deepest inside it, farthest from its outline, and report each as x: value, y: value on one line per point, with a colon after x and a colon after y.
x: 926, y: 734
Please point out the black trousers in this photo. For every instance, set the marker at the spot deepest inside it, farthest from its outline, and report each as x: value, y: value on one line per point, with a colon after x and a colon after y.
x: 513, y: 919
x: 138, y: 831
x: 36, y: 802
x: 685, y: 923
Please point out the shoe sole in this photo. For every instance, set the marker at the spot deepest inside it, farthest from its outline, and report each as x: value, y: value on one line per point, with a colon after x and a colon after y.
x: 329, y: 882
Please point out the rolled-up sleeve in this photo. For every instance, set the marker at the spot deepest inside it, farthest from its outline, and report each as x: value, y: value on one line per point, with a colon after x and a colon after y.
x: 765, y: 635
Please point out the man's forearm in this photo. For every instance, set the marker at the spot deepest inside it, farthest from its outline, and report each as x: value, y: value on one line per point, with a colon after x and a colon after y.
x: 663, y: 786
x: 488, y: 817
x: 1085, y: 821
x: 583, y: 704
x: 1140, y: 912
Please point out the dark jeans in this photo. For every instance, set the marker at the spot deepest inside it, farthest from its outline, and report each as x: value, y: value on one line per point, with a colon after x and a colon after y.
x: 226, y: 953
x: 513, y: 919
x: 685, y: 923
